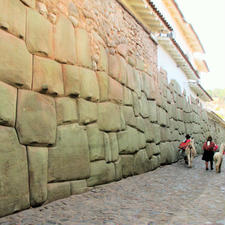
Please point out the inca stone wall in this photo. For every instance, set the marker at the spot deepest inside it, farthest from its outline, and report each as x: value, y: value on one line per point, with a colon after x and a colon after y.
x: 82, y: 102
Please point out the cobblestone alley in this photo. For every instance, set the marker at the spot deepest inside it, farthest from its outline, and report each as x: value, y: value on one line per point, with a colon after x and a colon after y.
x: 172, y: 194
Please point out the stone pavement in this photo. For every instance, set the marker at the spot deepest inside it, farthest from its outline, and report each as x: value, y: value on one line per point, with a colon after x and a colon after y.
x: 170, y: 195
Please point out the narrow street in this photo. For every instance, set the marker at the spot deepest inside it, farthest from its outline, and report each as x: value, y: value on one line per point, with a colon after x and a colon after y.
x: 170, y: 195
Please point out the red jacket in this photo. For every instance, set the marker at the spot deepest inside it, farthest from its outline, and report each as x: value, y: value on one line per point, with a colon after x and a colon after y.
x: 211, y: 147
x: 184, y: 144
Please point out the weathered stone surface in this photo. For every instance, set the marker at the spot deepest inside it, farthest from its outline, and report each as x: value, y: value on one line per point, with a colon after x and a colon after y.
x: 122, y: 140
x: 103, y: 81
x: 149, y: 131
x: 140, y: 65
x: 105, y: 111
x: 123, y: 70
x: 152, y: 111
x: 30, y: 3
x: 114, y: 68
x: 161, y: 116
x: 130, y: 77
x: 141, y: 140
x: 141, y: 124
x: 118, y: 169
x: 13, y: 17
x: 89, y: 85
x: 14, y: 185
x: 69, y: 159
x: 8, y: 96
x: 127, y: 162
x: 156, y: 131
x: 36, y: 118
x: 65, y: 51
x: 38, y: 174
x: 115, y: 91
x: 150, y: 150
x: 96, y: 142
x: 88, y: 111
x: 123, y: 49
x: 138, y: 82
x: 16, y: 65
x: 78, y: 187
x: 136, y: 104
x: 127, y: 96
x: 58, y: 191
x: 141, y: 162
x: 129, y: 116
x: 66, y: 109
x: 146, y: 85
x: 144, y: 106
x: 39, y: 35
x: 154, y: 162
x: 108, y: 152
x: 128, y: 141
x: 103, y: 60
x: 47, y: 76
x: 71, y: 77
x: 101, y: 172
x: 114, y: 147
x: 83, y: 48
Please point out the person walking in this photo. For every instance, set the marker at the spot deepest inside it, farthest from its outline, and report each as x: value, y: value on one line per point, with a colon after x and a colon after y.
x: 183, y: 146
x: 208, y: 147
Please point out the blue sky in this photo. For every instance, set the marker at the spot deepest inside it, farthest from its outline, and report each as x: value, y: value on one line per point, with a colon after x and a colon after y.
x: 208, y: 20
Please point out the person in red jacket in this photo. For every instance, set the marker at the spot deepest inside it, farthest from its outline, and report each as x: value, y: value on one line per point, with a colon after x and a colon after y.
x: 183, y: 146
x: 208, y: 147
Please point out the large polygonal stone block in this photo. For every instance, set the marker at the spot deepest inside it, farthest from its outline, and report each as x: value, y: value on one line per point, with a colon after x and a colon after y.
x: 154, y: 162
x: 114, y: 68
x: 141, y: 124
x: 38, y: 174
x: 83, y: 48
x: 103, y: 81
x: 130, y: 77
x: 141, y: 162
x: 149, y: 131
x: 14, y: 185
x: 115, y: 91
x: 118, y: 169
x: 128, y: 140
x: 13, y: 17
x: 127, y: 162
x: 16, y: 65
x: 114, y: 147
x: 144, y: 106
x: 96, y: 142
x: 138, y: 82
x: 105, y: 111
x: 101, y: 173
x: 71, y: 77
x: 58, y: 191
x: 8, y: 95
x: 89, y: 85
x: 39, y: 35
x: 123, y: 70
x: 152, y: 111
x: 129, y: 116
x: 65, y: 50
x: 36, y: 118
x: 108, y: 152
x: 156, y: 131
x: 30, y: 3
x: 69, y: 159
x: 103, y: 60
x: 127, y: 96
x: 88, y: 111
x: 146, y: 84
x: 141, y: 140
x: 66, y: 109
x: 78, y: 187
x: 47, y: 76
x: 136, y: 104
